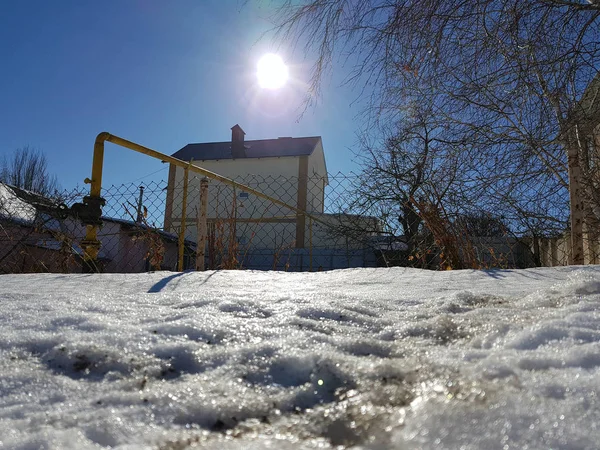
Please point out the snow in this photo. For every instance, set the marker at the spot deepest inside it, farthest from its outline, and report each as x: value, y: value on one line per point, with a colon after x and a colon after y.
x: 362, y: 358
x: 12, y: 207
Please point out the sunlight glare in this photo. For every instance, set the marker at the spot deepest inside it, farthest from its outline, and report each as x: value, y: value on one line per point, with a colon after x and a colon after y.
x: 271, y: 71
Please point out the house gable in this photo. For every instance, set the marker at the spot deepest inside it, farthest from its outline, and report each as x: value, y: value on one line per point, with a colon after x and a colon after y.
x: 290, y: 170
x: 263, y: 148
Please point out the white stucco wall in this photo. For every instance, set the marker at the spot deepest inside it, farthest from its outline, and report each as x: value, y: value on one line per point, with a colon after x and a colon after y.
x: 275, y: 177
x: 317, y: 180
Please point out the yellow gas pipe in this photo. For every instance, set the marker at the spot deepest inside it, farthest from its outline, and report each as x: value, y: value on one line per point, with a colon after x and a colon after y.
x: 91, y: 244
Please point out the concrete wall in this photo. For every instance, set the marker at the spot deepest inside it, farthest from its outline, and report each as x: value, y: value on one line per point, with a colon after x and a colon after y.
x: 556, y: 251
x: 125, y: 248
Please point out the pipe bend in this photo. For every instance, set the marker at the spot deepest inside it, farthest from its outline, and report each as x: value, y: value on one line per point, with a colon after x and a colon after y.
x: 103, y: 136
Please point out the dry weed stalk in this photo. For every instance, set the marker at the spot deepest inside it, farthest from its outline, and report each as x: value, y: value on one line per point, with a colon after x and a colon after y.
x: 148, y: 234
x: 456, y: 248
x: 223, y: 244
x: 277, y: 255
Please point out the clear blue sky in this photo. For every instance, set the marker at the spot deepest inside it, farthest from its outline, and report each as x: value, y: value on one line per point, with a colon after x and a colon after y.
x: 162, y: 74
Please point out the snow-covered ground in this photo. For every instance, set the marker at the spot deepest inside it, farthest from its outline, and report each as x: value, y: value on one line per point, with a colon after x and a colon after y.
x: 365, y: 358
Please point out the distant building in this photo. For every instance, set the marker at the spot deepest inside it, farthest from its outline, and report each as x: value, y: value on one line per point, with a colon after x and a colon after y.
x: 35, y: 236
x: 292, y: 170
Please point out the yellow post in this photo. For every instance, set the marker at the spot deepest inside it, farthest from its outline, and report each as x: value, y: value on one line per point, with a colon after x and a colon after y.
x: 91, y: 244
x: 201, y: 238
x: 186, y: 172
x: 310, y: 225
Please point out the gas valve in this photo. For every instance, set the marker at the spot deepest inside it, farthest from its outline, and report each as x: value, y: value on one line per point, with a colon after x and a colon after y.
x: 90, y: 211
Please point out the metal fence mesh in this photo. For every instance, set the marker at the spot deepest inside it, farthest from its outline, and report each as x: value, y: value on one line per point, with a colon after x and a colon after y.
x: 144, y: 227
x: 246, y: 231
x: 304, y: 224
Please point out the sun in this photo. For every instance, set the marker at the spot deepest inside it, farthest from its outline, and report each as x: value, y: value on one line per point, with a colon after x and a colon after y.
x: 271, y: 71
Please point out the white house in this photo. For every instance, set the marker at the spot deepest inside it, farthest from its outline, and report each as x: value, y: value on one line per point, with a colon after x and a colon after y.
x: 291, y: 170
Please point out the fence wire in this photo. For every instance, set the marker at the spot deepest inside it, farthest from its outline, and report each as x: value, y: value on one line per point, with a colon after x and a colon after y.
x: 247, y: 231
x: 155, y: 226
x: 142, y: 226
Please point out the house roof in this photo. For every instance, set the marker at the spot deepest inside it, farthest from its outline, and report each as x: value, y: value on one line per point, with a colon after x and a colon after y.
x: 263, y: 148
x: 21, y: 206
x: 130, y: 224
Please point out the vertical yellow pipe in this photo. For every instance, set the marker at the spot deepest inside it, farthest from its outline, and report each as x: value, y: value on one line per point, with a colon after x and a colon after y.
x: 310, y: 247
x: 186, y: 173
x: 91, y: 244
x: 201, y: 235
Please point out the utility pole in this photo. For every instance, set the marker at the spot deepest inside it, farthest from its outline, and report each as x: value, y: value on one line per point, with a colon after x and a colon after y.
x: 140, y: 215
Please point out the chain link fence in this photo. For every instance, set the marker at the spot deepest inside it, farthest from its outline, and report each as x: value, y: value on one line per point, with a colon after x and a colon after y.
x: 247, y: 231
x: 295, y: 224
x: 156, y: 226
x: 34, y: 237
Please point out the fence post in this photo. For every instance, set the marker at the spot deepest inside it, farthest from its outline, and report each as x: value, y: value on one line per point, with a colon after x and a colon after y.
x: 201, y: 224
x: 310, y: 243
x: 186, y: 173
x: 140, y: 216
x: 301, y: 201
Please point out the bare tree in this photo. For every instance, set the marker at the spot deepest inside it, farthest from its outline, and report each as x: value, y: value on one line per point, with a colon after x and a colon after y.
x: 416, y: 161
x: 506, y: 74
x: 27, y: 168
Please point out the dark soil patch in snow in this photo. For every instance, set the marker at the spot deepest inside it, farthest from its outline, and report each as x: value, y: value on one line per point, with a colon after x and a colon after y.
x: 367, y: 348
x: 89, y: 362
x: 177, y: 360
x: 245, y: 310
x: 344, y: 317
x: 191, y: 332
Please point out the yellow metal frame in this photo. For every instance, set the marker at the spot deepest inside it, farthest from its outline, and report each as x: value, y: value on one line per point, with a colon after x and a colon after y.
x: 91, y: 244
x: 186, y: 173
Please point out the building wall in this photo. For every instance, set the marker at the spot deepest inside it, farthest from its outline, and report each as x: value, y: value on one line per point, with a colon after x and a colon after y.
x: 124, y: 249
x: 556, y: 251
x: 21, y: 251
x: 279, y: 178
x: 276, y: 177
x: 317, y: 180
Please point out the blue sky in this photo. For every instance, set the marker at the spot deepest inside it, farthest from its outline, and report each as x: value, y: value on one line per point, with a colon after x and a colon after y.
x: 162, y: 74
